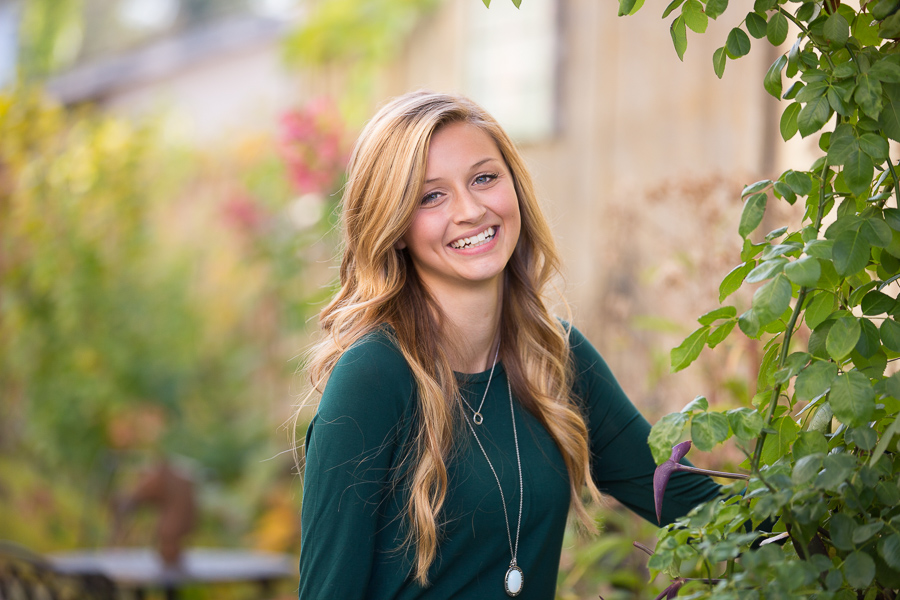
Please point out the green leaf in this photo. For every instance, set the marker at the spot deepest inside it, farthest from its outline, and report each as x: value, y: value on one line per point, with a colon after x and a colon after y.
x: 865, y: 438
x: 749, y: 324
x: 806, y: 468
x: 890, y: 335
x: 809, y: 442
x: 766, y: 270
x: 859, y: 569
x: 869, y: 341
x: 665, y: 434
x: 877, y: 303
x: 843, y: 337
x: 679, y: 36
x: 777, y: 29
x: 719, y: 58
x: 734, y: 279
x: 889, y: 118
x: 889, y: 549
x: 756, y: 187
x: 885, y: 71
x: 714, y: 8
x: 838, y: 468
x: 698, y: 404
x: 882, y: 9
x: 837, y: 30
x: 842, y: 145
x: 841, y: 529
x: 688, y: 351
x: 751, y: 216
x: 746, y: 423
x: 814, y: 380
x: 804, y: 272
x: 709, y: 429
x: 819, y: 309
x: 737, y: 43
x: 892, y: 218
x: 868, y: 95
x: 799, y: 182
x: 719, y: 334
x: 886, y: 437
x: 852, y: 398
x: 813, y: 116
x: 772, y: 80
x: 850, y: 252
x: 772, y: 299
x: 756, y: 25
x: 625, y: 7
x: 724, y: 312
x: 779, y: 443
x: 874, y: 145
x: 876, y: 232
x: 672, y: 6
x: 788, y: 125
x: 694, y: 17
x: 858, y: 170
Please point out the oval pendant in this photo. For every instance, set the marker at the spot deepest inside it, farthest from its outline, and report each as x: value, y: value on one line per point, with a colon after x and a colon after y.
x: 514, y: 581
x: 477, y: 418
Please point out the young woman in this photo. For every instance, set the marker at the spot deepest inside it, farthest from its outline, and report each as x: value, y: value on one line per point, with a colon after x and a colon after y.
x: 460, y: 420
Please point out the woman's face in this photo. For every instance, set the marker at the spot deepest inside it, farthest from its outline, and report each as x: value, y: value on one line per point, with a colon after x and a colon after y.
x: 467, y: 223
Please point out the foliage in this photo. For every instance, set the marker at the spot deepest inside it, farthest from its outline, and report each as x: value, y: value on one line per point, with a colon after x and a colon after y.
x: 148, y: 297
x: 358, y: 35
x: 821, y: 436
x: 51, y: 33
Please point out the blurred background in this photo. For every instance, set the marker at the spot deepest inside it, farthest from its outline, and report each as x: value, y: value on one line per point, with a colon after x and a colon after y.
x: 169, y: 173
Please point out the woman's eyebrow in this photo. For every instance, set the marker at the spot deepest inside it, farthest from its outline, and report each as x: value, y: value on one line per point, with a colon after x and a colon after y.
x: 474, y: 166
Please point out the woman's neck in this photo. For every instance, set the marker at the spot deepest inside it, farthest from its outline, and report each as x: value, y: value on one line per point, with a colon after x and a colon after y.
x: 472, y: 326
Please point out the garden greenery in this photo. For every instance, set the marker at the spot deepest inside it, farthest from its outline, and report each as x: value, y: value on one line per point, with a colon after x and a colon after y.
x: 821, y: 436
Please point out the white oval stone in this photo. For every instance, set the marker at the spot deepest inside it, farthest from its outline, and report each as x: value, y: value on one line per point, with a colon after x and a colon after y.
x: 514, y: 581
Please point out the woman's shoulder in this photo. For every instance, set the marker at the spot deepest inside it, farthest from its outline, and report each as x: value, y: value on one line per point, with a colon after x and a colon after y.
x: 374, y: 352
x: 371, y: 372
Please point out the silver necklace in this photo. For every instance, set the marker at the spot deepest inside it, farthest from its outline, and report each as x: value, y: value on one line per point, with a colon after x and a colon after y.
x: 476, y: 417
x: 514, y: 580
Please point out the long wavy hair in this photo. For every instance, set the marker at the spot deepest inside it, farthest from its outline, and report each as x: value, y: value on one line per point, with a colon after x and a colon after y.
x: 379, y: 285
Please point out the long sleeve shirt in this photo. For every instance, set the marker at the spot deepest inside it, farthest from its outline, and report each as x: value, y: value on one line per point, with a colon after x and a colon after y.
x: 358, y: 446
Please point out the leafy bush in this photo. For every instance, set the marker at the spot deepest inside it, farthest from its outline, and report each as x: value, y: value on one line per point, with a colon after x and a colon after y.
x: 821, y: 435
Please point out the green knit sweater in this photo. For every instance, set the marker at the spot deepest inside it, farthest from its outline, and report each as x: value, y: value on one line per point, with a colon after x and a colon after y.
x: 353, y: 523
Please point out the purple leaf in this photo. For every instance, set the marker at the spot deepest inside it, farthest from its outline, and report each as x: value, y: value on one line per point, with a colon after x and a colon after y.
x: 672, y: 590
x: 664, y: 472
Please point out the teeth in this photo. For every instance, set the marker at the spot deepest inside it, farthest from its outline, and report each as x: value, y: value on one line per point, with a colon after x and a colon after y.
x: 475, y: 240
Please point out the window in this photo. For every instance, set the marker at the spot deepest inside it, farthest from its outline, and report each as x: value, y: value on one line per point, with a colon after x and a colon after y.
x: 511, y: 65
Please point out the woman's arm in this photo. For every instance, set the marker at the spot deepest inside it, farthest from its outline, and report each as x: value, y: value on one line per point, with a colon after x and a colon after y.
x: 351, y: 447
x: 622, y: 464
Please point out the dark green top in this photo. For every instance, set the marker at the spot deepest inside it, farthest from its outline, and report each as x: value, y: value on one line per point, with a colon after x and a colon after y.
x: 353, y: 522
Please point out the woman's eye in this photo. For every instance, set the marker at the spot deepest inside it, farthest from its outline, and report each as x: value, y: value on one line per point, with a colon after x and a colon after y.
x: 430, y: 197
x: 485, y: 178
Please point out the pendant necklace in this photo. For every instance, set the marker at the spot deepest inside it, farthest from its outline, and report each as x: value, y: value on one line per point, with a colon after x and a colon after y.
x: 476, y: 417
x: 514, y: 580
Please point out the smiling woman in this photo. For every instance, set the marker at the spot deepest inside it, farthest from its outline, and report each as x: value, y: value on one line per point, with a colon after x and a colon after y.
x: 460, y: 420
x: 468, y: 222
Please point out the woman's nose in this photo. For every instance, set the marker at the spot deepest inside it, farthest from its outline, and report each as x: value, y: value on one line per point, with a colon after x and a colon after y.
x: 468, y: 208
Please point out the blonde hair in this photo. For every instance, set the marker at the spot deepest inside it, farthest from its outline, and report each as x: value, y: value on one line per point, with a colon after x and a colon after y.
x: 378, y: 285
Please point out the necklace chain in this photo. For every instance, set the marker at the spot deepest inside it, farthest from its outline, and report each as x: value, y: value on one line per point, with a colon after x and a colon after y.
x: 513, y: 548
x: 477, y: 418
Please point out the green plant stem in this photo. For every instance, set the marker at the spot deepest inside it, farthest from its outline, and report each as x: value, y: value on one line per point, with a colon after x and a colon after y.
x: 713, y: 473
x: 788, y: 334
x: 805, y: 32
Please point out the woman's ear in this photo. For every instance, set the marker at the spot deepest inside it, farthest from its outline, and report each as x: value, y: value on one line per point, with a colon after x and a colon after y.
x: 399, y: 245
